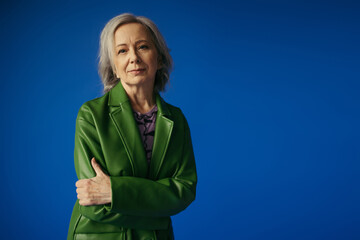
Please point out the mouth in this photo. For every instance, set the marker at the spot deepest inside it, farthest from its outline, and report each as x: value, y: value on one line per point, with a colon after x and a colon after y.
x: 137, y: 70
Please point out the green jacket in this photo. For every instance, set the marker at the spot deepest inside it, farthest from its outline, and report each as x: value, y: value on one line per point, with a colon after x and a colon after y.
x: 143, y: 197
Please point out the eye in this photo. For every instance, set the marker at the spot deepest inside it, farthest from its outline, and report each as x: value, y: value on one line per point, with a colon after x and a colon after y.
x: 121, y: 51
x: 144, y: 47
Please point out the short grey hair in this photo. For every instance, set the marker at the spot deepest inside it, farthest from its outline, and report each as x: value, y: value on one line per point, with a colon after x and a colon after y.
x: 106, y: 51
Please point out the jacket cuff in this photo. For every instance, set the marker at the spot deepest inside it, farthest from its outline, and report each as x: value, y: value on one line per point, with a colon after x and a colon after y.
x: 115, y: 195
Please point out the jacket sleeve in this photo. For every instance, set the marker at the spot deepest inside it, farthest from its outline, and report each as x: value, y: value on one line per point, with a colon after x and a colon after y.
x: 164, y: 197
x: 87, y: 145
x: 134, y: 197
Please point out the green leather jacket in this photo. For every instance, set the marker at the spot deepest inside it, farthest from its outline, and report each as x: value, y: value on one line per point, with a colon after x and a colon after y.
x: 143, y: 197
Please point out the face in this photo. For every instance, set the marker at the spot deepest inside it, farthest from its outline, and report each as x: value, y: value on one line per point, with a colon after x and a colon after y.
x: 135, y: 57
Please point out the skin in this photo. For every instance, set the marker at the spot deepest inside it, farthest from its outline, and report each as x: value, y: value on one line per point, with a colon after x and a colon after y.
x: 96, y: 190
x: 134, y: 49
x: 136, y: 61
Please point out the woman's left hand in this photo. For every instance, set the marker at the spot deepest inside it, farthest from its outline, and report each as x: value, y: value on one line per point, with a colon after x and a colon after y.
x: 96, y: 190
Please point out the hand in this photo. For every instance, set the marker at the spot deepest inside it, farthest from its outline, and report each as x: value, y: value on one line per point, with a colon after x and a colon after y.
x: 96, y: 190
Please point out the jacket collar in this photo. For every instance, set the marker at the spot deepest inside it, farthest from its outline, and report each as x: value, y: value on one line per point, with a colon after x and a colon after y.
x: 122, y: 116
x: 118, y: 96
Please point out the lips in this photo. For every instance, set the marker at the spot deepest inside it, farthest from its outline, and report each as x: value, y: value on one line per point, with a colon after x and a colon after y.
x: 137, y: 70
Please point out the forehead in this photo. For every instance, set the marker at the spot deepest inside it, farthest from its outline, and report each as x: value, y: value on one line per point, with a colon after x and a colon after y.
x: 131, y: 32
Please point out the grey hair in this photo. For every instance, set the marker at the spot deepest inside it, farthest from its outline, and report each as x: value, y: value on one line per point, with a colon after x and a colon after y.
x: 106, y: 51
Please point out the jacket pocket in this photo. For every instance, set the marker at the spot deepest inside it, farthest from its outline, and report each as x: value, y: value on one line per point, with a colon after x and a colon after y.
x: 99, y: 236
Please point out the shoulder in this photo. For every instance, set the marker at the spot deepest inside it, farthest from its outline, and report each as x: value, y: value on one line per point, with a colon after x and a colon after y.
x: 171, y: 110
x: 93, y: 107
x: 177, y: 114
x: 174, y: 110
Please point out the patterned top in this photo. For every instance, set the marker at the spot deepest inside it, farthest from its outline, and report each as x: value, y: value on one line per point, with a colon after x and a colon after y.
x: 146, y: 125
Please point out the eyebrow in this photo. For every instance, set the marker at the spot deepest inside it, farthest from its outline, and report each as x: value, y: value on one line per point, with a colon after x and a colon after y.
x: 137, y: 42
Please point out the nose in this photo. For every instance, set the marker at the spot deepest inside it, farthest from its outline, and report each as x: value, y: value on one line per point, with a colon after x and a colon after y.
x: 134, y: 57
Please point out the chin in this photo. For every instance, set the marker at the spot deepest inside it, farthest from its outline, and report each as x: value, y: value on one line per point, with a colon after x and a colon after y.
x: 138, y: 82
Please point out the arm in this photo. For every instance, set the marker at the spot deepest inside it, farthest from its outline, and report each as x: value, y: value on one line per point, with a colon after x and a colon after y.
x: 132, y: 196
x: 165, y: 197
x: 87, y: 146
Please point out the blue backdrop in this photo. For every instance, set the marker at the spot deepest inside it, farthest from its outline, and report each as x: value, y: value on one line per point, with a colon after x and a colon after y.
x: 270, y: 90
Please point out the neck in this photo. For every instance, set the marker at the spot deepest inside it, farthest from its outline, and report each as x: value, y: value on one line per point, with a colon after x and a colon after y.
x: 142, y: 99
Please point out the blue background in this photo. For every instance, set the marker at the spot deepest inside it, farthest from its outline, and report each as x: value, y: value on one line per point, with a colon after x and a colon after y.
x: 270, y: 90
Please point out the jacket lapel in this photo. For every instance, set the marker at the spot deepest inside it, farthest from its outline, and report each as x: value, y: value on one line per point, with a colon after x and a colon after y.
x: 122, y: 116
x: 163, y: 130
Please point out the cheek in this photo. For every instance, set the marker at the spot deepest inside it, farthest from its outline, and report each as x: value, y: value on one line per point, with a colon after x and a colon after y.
x: 119, y: 66
x: 151, y: 59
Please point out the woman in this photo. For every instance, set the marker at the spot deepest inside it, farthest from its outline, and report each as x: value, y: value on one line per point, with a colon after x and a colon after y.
x: 133, y: 151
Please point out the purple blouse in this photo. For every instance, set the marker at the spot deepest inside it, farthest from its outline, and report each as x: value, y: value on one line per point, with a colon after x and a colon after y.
x: 146, y: 125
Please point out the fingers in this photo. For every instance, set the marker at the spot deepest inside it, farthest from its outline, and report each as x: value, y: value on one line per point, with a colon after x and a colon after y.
x: 96, y: 190
x: 89, y: 186
x: 79, y: 183
x: 92, y: 198
x: 84, y: 183
x: 96, y: 167
x: 91, y: 202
